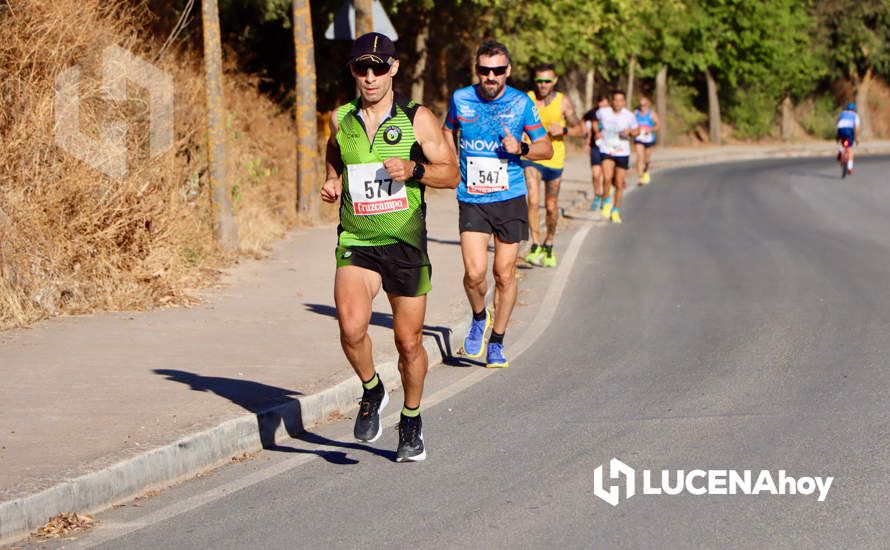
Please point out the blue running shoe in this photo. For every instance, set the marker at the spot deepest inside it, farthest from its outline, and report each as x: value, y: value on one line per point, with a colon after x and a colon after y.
x: 474, y: 343
x: 496, y: 359
x: 597, y: 203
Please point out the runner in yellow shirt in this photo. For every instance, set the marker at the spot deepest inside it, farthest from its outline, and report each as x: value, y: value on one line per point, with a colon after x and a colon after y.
x: 559, y: 119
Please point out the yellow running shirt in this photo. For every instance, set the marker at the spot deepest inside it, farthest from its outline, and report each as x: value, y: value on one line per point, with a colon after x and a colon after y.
x: 551, y: 114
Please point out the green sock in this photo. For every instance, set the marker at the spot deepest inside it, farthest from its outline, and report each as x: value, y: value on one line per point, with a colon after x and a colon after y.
x: 372, y: 383
x: 410, y: 413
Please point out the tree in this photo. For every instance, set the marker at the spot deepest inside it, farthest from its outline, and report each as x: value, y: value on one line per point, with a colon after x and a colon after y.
x: 305, y: 100
x: 857, y: 34
x: 226, y: 230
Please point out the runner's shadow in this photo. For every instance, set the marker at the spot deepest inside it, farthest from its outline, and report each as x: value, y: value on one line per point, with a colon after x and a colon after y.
x: 442, y: 335
x: 273, y: 407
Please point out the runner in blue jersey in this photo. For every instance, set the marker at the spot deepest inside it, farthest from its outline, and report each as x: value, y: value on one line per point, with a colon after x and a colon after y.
x: 487, y: 121
x: 649, y: 124
x: 847, y: 126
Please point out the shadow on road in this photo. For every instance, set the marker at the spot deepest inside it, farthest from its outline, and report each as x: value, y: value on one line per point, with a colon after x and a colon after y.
x: 442, y: 335
x: 273, y: 406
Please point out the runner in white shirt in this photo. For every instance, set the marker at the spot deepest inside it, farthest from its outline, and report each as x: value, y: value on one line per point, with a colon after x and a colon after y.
x: 618, y: 127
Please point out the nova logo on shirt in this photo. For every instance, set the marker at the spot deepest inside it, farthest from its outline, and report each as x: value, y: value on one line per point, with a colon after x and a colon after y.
x: 479, y: 145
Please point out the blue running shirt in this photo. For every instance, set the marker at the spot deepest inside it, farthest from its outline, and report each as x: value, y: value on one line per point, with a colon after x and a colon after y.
x: 487, y: 172
x: 847, y: 119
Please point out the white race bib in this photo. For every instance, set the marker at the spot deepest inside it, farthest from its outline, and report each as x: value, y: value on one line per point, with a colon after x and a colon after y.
x: 646, y: 135
x: 486, y: 175
x: 373, y: 191
x: 616, y: 146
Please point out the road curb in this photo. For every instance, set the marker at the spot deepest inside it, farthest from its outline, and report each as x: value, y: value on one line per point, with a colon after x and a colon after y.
x: 183, y: 459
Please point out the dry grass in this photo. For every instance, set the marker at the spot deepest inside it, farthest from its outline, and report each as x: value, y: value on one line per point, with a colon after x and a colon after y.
x: 73, y: 240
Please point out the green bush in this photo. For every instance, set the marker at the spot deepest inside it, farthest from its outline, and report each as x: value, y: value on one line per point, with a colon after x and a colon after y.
x: 818, y: 117
x: 682, y: 115
x: 752, y: 112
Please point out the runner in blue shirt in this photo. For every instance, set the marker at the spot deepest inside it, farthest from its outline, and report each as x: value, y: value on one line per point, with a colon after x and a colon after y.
x: 488, y: 120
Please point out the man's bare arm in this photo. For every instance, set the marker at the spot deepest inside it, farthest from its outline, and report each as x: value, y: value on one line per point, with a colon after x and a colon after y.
x: 540, y: 149
x: 333, y: 185
x: 568, y: 110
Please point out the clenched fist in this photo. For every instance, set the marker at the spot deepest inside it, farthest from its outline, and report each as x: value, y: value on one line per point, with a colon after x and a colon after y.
x: 331, y: 189
x: 399, y: 169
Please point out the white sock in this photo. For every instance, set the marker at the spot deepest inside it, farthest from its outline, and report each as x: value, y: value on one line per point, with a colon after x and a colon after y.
x: 849, y: 165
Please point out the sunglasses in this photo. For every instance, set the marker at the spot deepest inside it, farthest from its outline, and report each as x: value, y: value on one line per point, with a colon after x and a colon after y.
x: 360, y: 68
x: 482, y: 70
x: 543, y: 80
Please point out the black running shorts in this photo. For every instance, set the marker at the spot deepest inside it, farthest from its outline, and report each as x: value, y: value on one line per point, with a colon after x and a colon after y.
x: 620, y: 162
x: 405, y: 270
x: 508, y: 219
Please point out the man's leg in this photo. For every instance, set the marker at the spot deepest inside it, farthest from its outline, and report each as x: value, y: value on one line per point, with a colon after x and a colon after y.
x: 618, y: 183
x: 407, y: 324
x: 474, y: 249
x: 552, y: 204
x: 505, y: 289
x: 533, y: 183
x: 354, y: 291
x: 608, y: 174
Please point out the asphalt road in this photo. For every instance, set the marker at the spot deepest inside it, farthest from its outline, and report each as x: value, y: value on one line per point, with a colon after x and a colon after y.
x: 738, y: 319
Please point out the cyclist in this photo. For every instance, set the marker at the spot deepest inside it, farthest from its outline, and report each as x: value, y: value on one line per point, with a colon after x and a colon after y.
x: 847, y: 128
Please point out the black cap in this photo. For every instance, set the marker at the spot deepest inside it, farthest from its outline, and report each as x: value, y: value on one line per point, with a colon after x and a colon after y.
x: 373, y: 47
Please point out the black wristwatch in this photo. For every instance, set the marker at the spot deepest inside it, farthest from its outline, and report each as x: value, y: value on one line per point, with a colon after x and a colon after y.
x: 523, y: 148
x: 418, y: 172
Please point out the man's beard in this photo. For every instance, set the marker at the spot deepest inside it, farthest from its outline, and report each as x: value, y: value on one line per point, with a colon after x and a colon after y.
x: 491, y: 93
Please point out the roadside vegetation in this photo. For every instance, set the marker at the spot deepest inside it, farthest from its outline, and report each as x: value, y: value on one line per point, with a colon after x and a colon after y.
x: 73, y: 240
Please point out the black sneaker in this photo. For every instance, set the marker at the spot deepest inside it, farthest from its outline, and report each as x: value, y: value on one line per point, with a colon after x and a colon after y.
x: 411, y: 447
x: 367, y: 423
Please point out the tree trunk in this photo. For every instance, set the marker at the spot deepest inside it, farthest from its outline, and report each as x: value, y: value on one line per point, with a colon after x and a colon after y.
x: 786, y: 118
x: 420, y: 46
x: 364, y: 19
x: 713, y: 109
x: 442, y: 73
x: 661, y: 103
x: 307, y: 128
x: 589, y: 88
x: 630, y: 81
x: 862, y: 90
x: 573, y: 86
x: 226, y: 229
